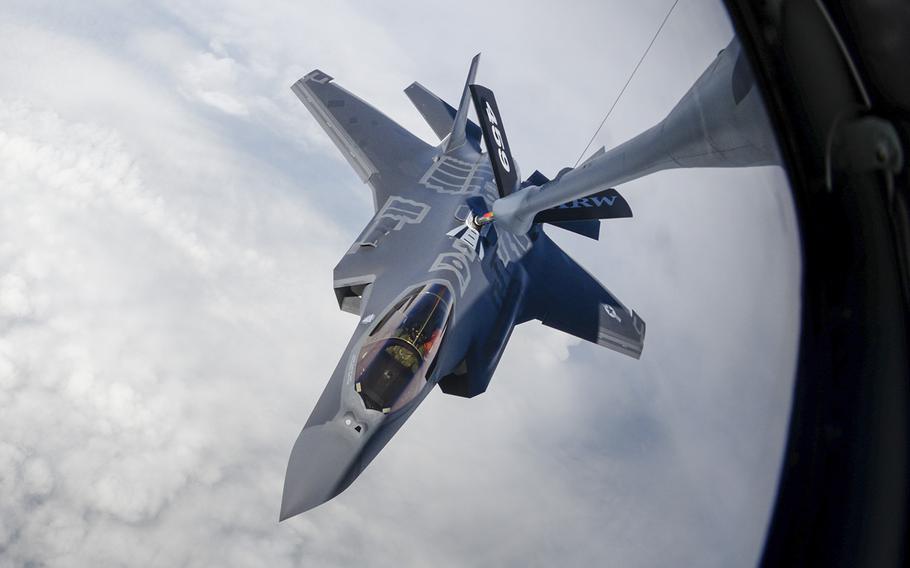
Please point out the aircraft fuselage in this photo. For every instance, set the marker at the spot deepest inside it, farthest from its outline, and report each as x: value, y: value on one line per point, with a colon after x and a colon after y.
x: 388, y: 368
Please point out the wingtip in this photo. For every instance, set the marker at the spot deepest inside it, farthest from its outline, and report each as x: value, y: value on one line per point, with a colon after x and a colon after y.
x: 314, y: 76
x: 475, y: 62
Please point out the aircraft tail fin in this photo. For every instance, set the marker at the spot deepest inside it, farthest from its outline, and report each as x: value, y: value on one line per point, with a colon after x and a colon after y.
x: 562, y: 295
x: 439, y: 114
x: 457, y: 138
x: 505, y: 170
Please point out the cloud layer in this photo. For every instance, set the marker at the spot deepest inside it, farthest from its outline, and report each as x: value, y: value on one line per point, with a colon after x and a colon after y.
x: 169, y: 226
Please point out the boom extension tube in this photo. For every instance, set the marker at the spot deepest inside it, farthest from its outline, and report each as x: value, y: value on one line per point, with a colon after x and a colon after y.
x: 719, y: 122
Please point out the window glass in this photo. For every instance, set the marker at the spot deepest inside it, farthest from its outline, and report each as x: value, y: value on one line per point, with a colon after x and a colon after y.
x: 392, y: 368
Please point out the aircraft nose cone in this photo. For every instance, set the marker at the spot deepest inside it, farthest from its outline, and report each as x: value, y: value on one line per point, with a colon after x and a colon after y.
x: 317, y: 469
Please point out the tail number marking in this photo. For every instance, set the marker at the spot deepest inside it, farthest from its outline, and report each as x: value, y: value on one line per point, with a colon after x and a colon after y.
x: 497, y: 137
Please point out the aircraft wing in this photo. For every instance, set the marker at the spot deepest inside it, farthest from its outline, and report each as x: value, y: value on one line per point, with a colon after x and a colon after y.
x: 371, y: 255
x: 383, y: 154
x: 565, y: 297
x: 439, y: 114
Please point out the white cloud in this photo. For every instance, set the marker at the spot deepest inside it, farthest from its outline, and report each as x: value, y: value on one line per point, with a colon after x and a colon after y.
x: 208, y: 77
x: 14, y: 301
x: 37, y: 478
x: 126, y: 318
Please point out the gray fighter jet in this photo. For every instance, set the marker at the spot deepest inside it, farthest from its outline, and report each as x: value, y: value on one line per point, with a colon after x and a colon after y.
x: 436, y: 288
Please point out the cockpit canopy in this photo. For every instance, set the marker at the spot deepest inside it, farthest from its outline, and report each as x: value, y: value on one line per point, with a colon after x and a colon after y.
x: 392, y: 366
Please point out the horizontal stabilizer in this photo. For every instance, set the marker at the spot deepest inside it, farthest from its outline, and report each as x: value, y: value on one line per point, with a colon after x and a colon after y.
x: 562, y: 295
x: 607, y: 204
x: 439, y: 114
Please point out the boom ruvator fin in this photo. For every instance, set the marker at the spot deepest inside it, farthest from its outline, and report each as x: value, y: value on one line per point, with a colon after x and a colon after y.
x: 582, y: 215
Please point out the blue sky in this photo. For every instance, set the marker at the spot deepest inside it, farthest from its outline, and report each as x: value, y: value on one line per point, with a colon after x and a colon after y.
x: 171, y: 218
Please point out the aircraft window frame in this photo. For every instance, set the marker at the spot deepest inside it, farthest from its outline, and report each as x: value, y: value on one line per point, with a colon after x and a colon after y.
x: 423, y: 343
x: 401, y: 305
x: 432, y: 366
x: 401, y: 375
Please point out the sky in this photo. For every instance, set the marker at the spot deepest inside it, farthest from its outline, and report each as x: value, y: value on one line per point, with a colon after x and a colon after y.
x: 170, y: 219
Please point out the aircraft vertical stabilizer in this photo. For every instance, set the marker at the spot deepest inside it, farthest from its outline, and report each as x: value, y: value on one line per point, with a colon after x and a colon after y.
x: 439, y: 114
x: 457, y: 138
x: 494, y: 135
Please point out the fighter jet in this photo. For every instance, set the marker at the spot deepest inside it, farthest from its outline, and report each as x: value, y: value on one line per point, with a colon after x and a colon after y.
x: 437, y: 289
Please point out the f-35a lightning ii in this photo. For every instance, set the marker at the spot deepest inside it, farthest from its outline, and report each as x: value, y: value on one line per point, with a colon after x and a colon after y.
x: 437, y: 289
